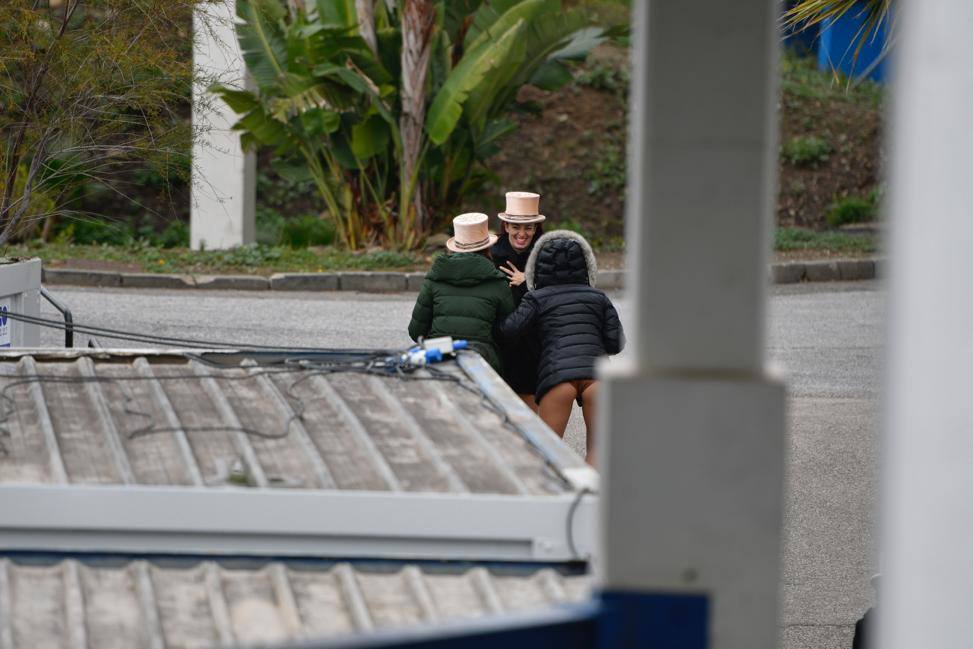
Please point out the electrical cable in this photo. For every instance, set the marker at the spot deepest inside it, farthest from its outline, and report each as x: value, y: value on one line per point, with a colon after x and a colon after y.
x: 378, y: 363
x: 121, y: 334
x: 572, y: 510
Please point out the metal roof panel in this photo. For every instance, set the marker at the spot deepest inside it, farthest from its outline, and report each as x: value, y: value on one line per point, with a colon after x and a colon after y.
x: 166, y: 419
x: 184, y: 605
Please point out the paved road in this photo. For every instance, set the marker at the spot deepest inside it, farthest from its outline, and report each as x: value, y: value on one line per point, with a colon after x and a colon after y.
x: 824, y: 339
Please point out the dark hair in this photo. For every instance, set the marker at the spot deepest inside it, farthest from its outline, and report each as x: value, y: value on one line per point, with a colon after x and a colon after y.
x: 485, y: 252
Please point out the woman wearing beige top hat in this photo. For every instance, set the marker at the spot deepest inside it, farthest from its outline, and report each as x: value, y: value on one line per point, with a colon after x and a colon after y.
x: 521, y: 224
x: 463, y: 294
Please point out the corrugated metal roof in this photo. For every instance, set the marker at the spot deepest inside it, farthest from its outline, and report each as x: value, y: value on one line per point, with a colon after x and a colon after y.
x: 177, y: 453
x: 173, y: 419
x: 168, y: 605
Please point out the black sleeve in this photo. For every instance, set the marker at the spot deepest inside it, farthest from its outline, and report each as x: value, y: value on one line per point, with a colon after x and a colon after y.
x: 518, y: 323
x: 612, y: 334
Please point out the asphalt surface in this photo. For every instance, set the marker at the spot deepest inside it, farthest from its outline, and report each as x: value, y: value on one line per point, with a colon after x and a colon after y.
x: 823, y: 339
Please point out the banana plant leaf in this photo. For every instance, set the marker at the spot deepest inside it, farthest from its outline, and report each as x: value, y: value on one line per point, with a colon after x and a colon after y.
x: 261, y: 39
x: 370, y: 137
x: 526, y: 10
x: 546, y: 35
x: 473, y: 68
x: 489, y: 13
x: 551, y: 76
x: 337, y: 13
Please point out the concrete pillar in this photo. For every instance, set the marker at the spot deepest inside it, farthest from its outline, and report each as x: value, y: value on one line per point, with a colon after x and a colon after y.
x: 927, y: 521
x: 694, y: 443
x: 224, y: 177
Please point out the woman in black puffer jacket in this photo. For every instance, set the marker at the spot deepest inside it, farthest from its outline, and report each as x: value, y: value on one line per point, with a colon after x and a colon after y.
x: 575, y: 324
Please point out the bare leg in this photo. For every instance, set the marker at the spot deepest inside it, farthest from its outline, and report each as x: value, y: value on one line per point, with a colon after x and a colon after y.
x: 529, y: 400
x: 555, y: 407
x: 589, y: 396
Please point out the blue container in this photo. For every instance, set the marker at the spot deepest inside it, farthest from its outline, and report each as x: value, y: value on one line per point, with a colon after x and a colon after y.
x: 803, y: 41
x: 836, y: 49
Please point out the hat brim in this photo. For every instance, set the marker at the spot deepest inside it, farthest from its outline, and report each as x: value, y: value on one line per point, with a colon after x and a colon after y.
x: 517, y: 218
x: 451, y: 244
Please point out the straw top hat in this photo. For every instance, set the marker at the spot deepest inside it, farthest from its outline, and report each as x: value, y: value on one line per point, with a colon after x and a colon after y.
x: 471, y: 233
x: 522, y: 207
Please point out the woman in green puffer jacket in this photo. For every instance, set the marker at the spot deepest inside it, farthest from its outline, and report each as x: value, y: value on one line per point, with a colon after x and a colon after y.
x: 464, y: 295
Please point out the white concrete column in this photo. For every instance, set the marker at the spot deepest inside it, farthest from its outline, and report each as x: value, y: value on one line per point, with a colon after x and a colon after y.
x: 927, y: 479
x: 694, y: 430
x: 224, y: 177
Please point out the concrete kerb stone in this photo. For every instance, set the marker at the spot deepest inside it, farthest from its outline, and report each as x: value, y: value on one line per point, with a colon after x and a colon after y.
x: 611, y: 279
x: 232, y: 282
x: 366, y: 282
x: 395, y: 282
x: 822, y: 271
x: 75, y: 277
x: 304, y: 282
x: 413, y: 281
x: 787, y: 273
x: 156, y: 280
x: 856, y: 269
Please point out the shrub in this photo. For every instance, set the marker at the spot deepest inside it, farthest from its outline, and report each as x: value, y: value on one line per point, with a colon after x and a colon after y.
x: 96, y: 232
x: 307, y: 230
x: 604, y: 77
x: 806, y: 151
x: 607, y: 172
x: 853, y: 209
x: 270, y: 224
x: 175, y: 235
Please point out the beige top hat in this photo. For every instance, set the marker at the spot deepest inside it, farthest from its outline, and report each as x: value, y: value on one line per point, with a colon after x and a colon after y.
x: 522, y: 207
x: 471, y: 233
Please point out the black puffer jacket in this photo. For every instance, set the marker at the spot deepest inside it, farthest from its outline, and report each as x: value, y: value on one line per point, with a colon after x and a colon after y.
x: 575, y: 322
x: 503, y: 252
x: 519, y: 356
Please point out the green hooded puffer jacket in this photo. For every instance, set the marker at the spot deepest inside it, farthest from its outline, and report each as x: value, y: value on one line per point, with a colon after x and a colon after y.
x: 463, y: 296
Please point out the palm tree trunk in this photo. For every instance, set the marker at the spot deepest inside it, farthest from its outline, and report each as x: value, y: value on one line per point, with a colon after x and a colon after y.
x: 418, y: 17
x: 366, y: 23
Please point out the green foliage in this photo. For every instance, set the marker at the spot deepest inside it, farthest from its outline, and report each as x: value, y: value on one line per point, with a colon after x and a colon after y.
x: 789, y: 239
x: 175, y: 235
x: 853, y: 209
x: 616, y: 13
x: 307, y: 230
x: 103, y: 232
x: 326, y: 98
x: 806, y: 151
x: 607, y: 172
x: 257, y: 258
x: 801, y: 78
x: 91, y: 90
x: 270, y: 224
x: 605, y: 77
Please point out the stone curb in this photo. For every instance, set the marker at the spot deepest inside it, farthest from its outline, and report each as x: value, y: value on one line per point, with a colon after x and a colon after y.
x: 156, y: 280
x: 80, y: 277
x: 304, y: 282
x: 232, y: 282
x: 838, y: 270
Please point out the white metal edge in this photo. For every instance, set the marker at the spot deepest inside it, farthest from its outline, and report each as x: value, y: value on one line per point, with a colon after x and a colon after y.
x: 230, y: 521
x: 568, y: 463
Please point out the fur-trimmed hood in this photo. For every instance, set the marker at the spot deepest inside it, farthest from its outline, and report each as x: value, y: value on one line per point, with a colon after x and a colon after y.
x: 530, y: 272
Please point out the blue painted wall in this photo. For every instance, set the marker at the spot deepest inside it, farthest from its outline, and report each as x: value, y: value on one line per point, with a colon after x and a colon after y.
x: 836, y: 48
x: 833, y: 43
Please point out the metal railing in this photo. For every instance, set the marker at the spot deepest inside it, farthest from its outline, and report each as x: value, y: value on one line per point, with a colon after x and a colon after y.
x: 66, y: 312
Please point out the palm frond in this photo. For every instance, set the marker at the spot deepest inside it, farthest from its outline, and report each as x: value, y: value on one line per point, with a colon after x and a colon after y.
x: 875, y: 14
